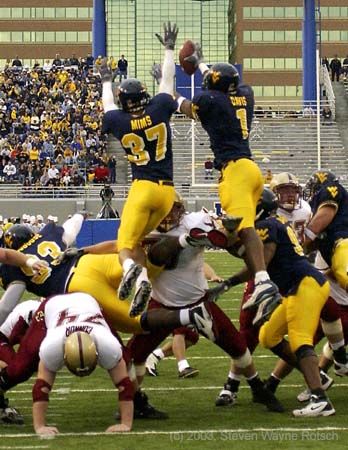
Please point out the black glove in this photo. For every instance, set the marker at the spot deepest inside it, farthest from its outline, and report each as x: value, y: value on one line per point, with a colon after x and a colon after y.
x: 69, y: 254
x: 156, y: 72
x: 197, y: 56
x: 105, y: 71
x: 170, y: 35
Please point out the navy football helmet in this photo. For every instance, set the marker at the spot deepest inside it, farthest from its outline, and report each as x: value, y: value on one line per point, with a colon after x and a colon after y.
x: 221, y: 77
x: 17, y: 235
x: 317, y: 180
x: 133, y: 95
x: 266, y: 205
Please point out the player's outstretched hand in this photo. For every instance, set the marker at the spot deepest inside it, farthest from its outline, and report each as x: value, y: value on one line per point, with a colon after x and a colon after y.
x: 105, y: 71
x: 197, y: 56
x: 169, y: 37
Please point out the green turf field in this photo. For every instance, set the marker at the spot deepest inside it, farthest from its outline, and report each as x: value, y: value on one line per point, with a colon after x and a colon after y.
x: 83, y: 408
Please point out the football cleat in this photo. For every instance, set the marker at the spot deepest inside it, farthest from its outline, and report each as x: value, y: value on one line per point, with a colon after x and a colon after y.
x: 264, y: 290
x: 143, y: 409
x: 226, y: 398
x: 140, y: 299
x: 318, y: 406
x: 202, y: 320
x: 266, y: 309
x: 151, y: 365
x: 128, y: 281
x: 231, y: 223
x: 188, y: 372
x: 9, y: 415
x: 326, y: 383
x: 266, y: 397
x: 341, y: 370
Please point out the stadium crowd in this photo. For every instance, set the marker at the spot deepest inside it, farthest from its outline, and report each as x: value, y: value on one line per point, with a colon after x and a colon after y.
x: 50, y: 124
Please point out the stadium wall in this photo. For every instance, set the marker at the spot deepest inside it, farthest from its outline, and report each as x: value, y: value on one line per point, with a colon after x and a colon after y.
x: 62, y: 208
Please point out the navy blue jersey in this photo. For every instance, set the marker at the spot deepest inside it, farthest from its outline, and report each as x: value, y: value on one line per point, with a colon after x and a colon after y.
x: 46, y: 245
x: 289, y: 265
x: 147, y: 138
x: 227, y: 120
x: 335, y: 195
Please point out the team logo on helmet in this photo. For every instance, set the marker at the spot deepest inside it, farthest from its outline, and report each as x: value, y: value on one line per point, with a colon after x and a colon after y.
x: 17, y: 235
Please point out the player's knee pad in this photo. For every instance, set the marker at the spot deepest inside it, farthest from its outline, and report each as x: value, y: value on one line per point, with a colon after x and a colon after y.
x: 244, y: 361
x: 41, y: 390
x: 332, y: 328
x: 305, y: 351
x: 328, y: 352
x: 125, y: 390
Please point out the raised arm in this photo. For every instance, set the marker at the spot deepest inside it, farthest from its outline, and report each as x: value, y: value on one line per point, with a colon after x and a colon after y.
x: 106, y: 76
x: 168, y: 68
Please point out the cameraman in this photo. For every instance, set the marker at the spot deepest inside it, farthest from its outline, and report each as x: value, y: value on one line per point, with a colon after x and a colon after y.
x: 107, y: 211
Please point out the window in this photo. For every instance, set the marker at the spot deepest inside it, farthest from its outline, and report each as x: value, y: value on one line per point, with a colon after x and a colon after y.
x: 49, y: 13
x: 17, y: 36
x: 71, y: 13
x: 17, y: 13
x: 5, y: 13
x: 256, y: 12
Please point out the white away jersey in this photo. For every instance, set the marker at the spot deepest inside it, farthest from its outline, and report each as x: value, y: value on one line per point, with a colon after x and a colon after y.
x: 65, y: 314
x: 24, y: 310
x: 298, y: 217
x: 186, y: 283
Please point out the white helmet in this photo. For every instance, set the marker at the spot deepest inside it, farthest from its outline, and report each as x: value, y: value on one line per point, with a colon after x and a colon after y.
x: 287, y: 189
x: 80, y: 354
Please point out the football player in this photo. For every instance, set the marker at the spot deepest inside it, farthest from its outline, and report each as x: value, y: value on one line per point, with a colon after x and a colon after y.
x: 69, y: 329
x: 183, y: 284
x: 297, y: 314
x: 142, y: 126
x: 328, y: 228
x: 223, y: 100
x: 11, y: 333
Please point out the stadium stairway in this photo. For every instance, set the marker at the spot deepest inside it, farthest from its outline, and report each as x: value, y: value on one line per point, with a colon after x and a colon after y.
x: 277, y: 144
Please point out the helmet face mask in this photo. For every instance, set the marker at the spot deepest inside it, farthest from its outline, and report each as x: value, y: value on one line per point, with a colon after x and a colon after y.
x: 17, y: 235
x: 133, y: 95
x: 172, y: 220
x: 80, y: 354
x: 221, y: 77
x: 288, y: 191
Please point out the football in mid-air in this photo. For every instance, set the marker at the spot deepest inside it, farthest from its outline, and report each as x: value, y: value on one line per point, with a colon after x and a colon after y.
x: 187, y: 49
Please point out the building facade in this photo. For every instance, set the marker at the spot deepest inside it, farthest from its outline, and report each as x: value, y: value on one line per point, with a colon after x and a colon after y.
x: 266, y: 38
x: 38, y: 30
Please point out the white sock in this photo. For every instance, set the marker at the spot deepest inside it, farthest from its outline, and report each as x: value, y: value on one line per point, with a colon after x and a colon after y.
x: 337, y: 345
x: 183, y: 364
x: 275, y: 376
x: 262, y: 275
x: 234, y: 376
x: 158, y: 353
x: 184, y: 316
x: 182, y: 241
x: 252, y: 376
x: 127, y: 264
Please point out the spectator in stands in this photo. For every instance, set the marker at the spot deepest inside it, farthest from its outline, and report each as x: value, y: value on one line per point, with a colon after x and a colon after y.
x: 325, y: 62
x: 327, y: 115
x: 17, y: 62
x: 122, y: 66
x: 345, y: 68
x: 335, y: 67
x: 101, y: 173
x: 9, y: 172
x: 52, y: 172
x: 268, y: 177
x: 112, y: 163
x: 57, y: 61
x: 209, y: 169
